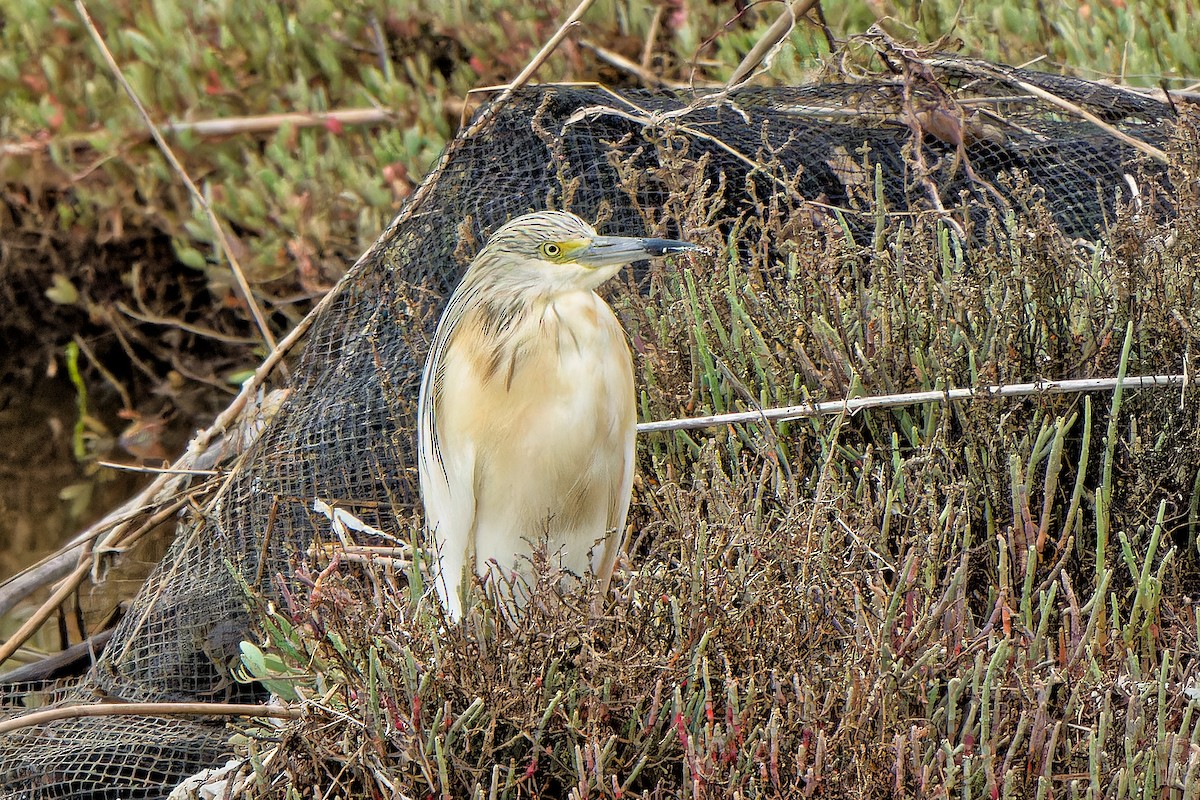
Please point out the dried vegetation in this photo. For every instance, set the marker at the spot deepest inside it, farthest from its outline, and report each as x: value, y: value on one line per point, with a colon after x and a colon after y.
x: 985, y: 599
x: 990, y: 598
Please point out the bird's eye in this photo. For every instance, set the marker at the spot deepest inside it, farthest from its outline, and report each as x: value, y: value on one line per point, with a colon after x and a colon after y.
x: 551, y: 250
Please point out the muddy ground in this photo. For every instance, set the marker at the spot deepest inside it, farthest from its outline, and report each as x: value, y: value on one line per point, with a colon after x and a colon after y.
x: 146, y: 386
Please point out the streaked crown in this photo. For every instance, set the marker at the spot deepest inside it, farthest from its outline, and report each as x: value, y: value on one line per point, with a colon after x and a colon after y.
x: 546, y: 235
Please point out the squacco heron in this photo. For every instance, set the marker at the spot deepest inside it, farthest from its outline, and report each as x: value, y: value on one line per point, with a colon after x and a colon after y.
x: 526, y: 419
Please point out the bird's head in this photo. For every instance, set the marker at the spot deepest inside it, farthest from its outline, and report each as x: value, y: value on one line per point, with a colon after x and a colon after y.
x: 557, y: 251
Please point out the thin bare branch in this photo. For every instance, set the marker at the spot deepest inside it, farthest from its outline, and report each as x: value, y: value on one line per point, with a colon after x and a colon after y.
x: 148, y: 710
x: 1010, y: 78
x: 267, y: 123
x: 619, y: 61
x: 156, y: 470
x: 170, y: 322
x: 540, y: 58
x: 48, y: 667
x: 770, y: 39
x: 852, y: 405
x: 229, y: 126
x: 68, y: 585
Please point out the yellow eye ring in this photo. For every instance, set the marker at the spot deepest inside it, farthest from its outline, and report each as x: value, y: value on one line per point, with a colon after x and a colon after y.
x: 551, y: 250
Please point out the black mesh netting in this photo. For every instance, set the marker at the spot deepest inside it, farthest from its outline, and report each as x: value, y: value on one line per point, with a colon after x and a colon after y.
x: 346, y: 434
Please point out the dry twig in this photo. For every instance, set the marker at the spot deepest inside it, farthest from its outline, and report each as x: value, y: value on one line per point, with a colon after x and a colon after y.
x: 64, y: 590
x: 852, y: 405
x: 148, y: 710
x: 775, y: 34
x: 1066, y: 105
x: 218, y: 229
x: 619, y: 61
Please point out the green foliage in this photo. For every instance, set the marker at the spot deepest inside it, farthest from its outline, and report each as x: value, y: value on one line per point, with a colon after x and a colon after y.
x: 309, y: 196
x: 1139, y: 43
x: 304, y: 202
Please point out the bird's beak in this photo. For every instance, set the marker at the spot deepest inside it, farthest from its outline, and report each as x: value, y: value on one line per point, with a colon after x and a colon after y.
x: 608, y: 251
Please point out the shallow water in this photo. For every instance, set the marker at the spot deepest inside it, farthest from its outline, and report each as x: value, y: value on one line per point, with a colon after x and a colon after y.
x: 36, y: 465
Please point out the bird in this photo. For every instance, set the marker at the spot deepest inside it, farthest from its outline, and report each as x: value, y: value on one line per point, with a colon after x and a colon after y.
x: 526, y: 414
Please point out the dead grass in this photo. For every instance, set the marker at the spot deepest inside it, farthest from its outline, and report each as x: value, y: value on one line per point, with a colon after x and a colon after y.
x: 991, y: 599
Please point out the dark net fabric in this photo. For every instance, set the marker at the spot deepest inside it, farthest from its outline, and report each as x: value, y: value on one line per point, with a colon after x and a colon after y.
x: 954, y: 146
